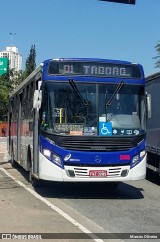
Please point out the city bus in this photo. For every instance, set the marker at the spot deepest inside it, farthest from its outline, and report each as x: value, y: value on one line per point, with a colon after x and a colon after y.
x: 80, y: 120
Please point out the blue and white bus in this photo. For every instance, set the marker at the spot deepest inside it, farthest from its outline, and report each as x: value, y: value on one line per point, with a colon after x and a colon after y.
x: 80, y: 120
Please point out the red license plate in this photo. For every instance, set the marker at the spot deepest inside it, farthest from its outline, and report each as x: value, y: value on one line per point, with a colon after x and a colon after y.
x: 98, y: 173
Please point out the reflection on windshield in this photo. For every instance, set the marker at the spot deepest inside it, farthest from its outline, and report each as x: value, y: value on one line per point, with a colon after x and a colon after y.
x: 64, y: 111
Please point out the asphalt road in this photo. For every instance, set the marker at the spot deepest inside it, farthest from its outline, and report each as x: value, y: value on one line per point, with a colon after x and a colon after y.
x: 131, y: 208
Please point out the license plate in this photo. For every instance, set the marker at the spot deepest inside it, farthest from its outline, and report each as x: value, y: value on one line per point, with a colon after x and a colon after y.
x: 98, y: 173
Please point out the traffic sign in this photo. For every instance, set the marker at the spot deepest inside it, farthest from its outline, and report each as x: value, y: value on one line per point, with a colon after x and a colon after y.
x: 3, y: 66
x: 105, y: 129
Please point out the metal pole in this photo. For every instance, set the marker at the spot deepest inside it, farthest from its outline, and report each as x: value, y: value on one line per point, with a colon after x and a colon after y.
x: 11, y: 34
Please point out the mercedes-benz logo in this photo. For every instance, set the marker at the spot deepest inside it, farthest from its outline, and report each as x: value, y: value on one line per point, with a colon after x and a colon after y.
x: 98, y: 159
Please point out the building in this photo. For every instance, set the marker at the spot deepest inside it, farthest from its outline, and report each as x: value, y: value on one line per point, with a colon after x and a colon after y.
x: 15, y: 59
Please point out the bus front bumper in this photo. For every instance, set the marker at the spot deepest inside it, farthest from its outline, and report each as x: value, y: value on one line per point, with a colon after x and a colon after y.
x: 52, y: 172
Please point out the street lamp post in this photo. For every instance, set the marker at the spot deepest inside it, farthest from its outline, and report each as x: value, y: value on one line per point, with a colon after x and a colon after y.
x: 11, y: 34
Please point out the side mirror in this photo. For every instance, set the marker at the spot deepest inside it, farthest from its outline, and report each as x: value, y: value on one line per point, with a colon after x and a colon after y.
x: 37, y: 98
x: 148, y: 101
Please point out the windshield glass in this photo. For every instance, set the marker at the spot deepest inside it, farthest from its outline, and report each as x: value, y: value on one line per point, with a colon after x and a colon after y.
x: 82, y: 109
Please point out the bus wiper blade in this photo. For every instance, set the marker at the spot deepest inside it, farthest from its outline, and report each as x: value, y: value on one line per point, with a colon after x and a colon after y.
x: 120, y: 85
x: 73, y: 85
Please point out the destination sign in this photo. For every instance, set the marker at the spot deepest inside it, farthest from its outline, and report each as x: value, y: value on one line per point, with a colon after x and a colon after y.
x: 94, y: 69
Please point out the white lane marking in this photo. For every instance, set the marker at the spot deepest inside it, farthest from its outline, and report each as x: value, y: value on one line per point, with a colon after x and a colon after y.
x: 65, y: 215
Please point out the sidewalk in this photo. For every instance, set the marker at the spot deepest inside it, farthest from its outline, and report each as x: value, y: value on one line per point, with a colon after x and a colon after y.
x: 3, y: 139
x: 22, y: 210
x: 3, y: 149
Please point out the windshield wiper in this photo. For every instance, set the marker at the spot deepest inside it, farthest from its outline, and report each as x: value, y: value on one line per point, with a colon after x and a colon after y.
x: 74, y: 87
x: 119, y: 87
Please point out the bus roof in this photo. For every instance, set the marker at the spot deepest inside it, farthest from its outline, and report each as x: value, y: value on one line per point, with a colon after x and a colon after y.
x: 92, y: 60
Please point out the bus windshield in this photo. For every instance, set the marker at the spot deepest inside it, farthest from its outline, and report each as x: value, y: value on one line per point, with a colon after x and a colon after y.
x: 83, y: 109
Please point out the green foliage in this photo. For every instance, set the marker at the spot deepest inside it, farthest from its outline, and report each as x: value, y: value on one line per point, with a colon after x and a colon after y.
x: 157, y: 48
x: 16, y: 78
x: 5, y: 88
x: 30, y: 62
x: 12, y: 79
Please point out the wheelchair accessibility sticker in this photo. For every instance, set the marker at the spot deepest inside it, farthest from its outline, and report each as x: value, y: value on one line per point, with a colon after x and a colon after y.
x: 105, y: 128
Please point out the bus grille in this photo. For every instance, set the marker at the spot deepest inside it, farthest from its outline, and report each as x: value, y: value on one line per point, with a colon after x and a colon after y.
x: 83, y: 172
x: 96, y: 146
x: 99, y: 144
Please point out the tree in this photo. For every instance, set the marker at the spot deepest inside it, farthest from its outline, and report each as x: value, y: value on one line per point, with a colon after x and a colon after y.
x: 30, y: 62
x: 8, y: 82
x: 16, y: 78
x: 5, y: 88
x: 12, y: 79
x: 157, y: 48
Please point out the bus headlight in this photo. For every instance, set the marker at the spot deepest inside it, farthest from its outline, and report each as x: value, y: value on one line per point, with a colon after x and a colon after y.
x: 142, y: 153
x: 56, y: 159
x: 135, y: 159
x: 47, y: 153
x: 139, y: 157
x: 52, y: 156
